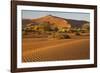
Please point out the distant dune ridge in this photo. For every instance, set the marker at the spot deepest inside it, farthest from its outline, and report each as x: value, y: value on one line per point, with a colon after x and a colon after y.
x: 57, y: 21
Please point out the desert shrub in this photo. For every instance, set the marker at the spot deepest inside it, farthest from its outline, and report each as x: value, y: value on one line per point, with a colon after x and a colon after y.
x: 82, y: 31
x: 49, y: 33
x: 24, y: 33
x: 53, y: 35
x: 53, y: 28
x: 66, y: 36
x: 62, y: 36
x: 77, y: 33
x: 44, y: 27
x: 72, y: 30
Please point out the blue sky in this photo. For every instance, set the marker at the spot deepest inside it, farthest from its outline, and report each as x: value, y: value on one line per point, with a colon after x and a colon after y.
x: 32, y: 14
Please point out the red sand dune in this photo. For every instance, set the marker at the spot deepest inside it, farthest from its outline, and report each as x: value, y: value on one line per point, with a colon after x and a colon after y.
x: 52, y: 50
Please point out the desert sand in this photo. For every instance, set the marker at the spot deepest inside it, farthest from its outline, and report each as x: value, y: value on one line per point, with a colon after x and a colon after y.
x: 51, y: 50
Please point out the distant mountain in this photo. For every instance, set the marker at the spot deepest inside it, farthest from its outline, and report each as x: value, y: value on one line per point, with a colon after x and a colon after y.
x: 57, y: 21
x: 77, y: 23
x: 25, y: 22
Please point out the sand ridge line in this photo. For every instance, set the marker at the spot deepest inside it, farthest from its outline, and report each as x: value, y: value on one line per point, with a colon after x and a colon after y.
x: 55, y: 46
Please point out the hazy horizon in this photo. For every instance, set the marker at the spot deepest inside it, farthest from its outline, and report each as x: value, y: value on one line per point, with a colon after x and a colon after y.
x: 31, y: 14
